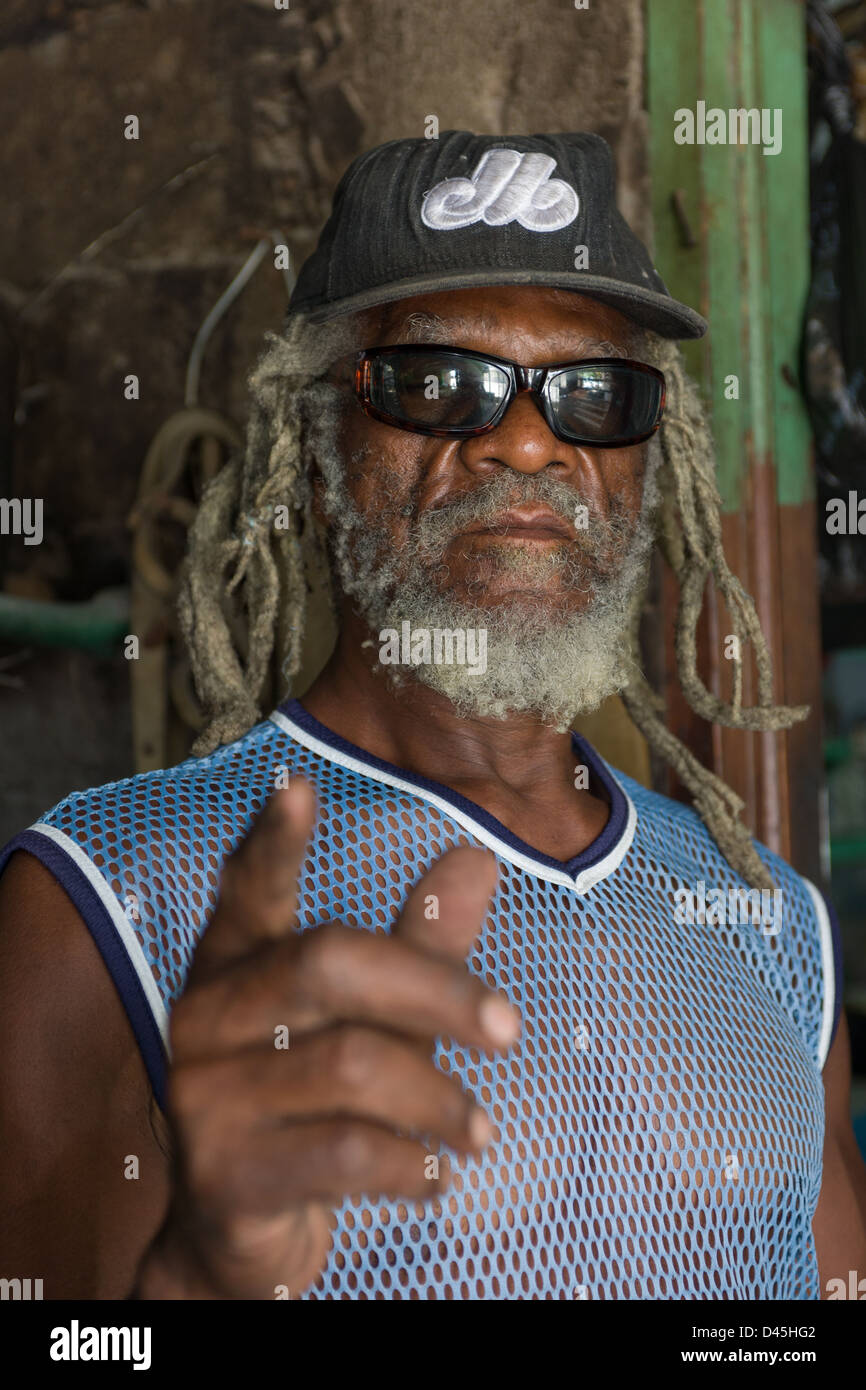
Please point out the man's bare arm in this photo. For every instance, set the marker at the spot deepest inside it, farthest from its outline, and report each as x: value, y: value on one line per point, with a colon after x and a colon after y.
x: 74, y: 1103
x: 839, y: 1225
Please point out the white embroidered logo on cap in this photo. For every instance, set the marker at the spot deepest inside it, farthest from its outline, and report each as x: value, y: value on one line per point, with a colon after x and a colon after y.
x: 506, y: 186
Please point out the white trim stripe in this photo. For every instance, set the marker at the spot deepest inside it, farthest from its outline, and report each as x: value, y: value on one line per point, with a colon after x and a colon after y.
x: 121, y: 923
x: 828, y: 968
x: 585, y: 880
x: 588, y: 878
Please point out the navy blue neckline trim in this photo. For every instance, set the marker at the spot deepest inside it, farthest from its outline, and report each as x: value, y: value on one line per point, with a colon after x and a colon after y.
x: 598, y: 850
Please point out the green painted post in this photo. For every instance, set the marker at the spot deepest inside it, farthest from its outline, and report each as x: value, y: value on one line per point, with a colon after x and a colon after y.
x: 749, y: 271
x: 782, y: 59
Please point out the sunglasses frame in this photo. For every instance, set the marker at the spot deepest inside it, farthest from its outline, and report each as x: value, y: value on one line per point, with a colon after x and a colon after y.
x: 533, y: 379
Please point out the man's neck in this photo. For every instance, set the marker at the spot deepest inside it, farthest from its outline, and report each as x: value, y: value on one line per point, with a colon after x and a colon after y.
x: 517, y: 769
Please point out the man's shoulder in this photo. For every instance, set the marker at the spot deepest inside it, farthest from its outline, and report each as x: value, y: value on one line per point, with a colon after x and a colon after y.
x: 790, y: 931
x: 676, y: 828
x: 217, y: 782
x: 164, y: 824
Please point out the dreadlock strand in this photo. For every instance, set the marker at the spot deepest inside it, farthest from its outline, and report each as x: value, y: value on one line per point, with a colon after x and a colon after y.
x: 688, y: 452
x: 234, y: 525
x: 715, y: 802
x: 213, y: 659
x: 293, y: 607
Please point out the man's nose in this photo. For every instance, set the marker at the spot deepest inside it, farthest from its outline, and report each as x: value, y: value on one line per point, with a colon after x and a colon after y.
x: 522, y: 440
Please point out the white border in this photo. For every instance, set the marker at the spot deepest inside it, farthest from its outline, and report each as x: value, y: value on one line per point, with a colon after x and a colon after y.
x: 829, y: 971
x: 121, y: 923
x: 585, y: 880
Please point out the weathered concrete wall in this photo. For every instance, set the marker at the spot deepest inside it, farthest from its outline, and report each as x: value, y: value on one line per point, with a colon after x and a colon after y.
x: 113, y: 250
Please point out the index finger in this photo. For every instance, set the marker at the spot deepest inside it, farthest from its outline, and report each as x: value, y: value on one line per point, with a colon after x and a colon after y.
x: 445, y: 910
x: 444, y: 915
x: 258, y: 900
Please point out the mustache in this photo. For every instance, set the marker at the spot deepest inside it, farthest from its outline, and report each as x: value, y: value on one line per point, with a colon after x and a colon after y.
x: 595, y: 536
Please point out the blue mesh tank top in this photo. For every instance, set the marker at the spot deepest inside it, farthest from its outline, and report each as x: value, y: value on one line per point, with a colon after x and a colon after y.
x: 660, y: 1120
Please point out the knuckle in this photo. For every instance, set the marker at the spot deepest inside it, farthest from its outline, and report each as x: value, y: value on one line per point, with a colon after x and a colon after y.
x: 459, y: 1106
x: 466, y: 991
x: 352, y: 1060
x: 319, y: 958
x: 351, y: 1148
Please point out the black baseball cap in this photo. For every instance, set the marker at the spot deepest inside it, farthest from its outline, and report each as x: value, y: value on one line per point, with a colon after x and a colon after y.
x: 416, y: 215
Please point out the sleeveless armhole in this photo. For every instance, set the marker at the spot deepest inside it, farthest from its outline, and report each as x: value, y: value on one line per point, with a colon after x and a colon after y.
x: 831, y: 960
x: 90, y: 896
x: 838, y: 971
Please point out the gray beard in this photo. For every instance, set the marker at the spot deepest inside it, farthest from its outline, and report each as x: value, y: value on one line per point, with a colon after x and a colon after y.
x: 541, y: 658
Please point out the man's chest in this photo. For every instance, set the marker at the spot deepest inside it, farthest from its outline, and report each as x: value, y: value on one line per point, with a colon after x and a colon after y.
x: 658, y: 1125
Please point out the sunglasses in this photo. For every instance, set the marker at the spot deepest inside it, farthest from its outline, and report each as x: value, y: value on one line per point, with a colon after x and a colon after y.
x: 608, y: 402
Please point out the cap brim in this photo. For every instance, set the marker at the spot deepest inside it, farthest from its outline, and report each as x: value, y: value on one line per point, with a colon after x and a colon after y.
x: 664, y: 315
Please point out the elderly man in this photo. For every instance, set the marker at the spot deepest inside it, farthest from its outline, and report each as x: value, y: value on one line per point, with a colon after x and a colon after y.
x: 400, y: 991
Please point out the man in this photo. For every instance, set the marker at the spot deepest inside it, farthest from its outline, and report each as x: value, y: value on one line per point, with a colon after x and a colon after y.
x: 442, y: 1021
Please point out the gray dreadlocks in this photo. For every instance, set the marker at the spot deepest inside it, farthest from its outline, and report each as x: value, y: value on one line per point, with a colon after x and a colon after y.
x: 243, y: 590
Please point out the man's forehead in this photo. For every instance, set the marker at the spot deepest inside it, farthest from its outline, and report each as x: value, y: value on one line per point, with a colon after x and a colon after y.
x: 417, y: 325
x: 425, y: 326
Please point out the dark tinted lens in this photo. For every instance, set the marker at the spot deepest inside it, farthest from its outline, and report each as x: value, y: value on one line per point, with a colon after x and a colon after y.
x: 439, y: 389
x: 607, y: 403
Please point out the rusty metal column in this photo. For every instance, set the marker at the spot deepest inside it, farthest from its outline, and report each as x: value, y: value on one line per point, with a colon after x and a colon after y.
x: 732, y: 238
